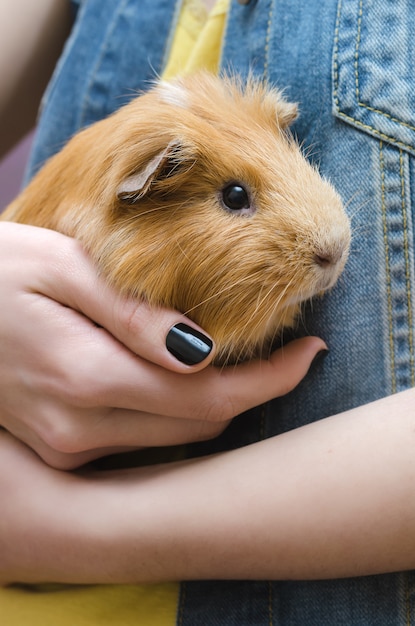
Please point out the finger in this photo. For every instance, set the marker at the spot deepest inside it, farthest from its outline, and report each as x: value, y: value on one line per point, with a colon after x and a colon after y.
x: 162, y: 336
x: 70, y: 438
x: 263, y: 380
x: 229, y: 393
x: 83, y: 442
x: 219, y: 394
x: 94, y: 370
x: 212, y: 395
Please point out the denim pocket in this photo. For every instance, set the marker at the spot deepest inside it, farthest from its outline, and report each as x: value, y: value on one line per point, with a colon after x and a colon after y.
x: 373, y: 68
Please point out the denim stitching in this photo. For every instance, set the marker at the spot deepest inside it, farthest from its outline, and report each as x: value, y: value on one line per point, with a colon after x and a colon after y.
x: 387, y: 267
x: 375, y: 131
x: 267, y: 39
x: 359, y: 102
x: 381, y: 135
x: 336, y: 57
x: 407, y: 265
x: 357, y: 50
x: 388, y: 115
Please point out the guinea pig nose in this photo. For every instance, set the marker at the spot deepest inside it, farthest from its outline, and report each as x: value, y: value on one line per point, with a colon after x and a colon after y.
x: 325, y: 258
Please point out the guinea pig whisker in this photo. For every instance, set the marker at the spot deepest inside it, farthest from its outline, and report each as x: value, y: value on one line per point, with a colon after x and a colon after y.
x: 308, y: 151
x: 267, y: 313
x: 181, y: 250
x: 220, y: 292
x: 356, y: 209
x: 134, y: 217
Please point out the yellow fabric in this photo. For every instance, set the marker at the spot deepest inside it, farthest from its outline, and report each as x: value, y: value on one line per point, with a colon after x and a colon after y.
x: 198, y: 38
x: 105, y: 605
x: 196, y: 45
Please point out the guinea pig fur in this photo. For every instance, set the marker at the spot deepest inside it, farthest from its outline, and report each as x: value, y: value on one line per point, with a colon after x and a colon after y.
x: 195, y: 196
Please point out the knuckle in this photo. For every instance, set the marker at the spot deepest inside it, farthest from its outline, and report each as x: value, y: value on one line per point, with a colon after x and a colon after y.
x: 78, y: 387
x: 76, y: 392
x: 62, y: 256
x: 61, y: 434
x: 131, y: 319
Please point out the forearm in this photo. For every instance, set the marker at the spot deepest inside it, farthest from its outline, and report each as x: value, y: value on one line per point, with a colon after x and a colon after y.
x: 32, y: 33
x: 335, y: 498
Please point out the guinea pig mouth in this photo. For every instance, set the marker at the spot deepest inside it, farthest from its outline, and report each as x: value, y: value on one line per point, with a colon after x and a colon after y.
x: 322, y: 280
x: 328, y: 278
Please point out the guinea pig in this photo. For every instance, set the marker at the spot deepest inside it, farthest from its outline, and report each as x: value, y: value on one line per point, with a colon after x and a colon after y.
x: 195, y: 196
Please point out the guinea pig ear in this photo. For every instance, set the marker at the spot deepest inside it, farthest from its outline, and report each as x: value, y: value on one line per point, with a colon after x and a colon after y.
x: 287, y: 112
x: 134, y: 187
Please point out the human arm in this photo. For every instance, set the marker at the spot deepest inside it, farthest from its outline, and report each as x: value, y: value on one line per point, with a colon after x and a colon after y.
x: 32, y: 33
x: 331, y: 499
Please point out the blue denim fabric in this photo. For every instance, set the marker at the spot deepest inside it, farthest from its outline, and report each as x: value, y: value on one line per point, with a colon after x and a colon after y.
x: 116, y: 48
x: 349, y: 64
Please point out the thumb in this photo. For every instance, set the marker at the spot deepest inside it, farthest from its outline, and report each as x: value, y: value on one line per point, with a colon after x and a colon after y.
x: 255, y: 382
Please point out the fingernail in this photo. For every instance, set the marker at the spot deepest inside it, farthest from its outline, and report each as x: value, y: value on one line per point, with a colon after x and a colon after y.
x: 188, y: 345
x: 320, y: 356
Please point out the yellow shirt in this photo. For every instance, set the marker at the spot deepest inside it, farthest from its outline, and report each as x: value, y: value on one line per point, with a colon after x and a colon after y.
x: 198, y: 38
x: 196, y: 44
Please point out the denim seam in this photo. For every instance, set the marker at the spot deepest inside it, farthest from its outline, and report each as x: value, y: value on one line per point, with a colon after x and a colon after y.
x: 387, y: 267
x: 92, y: 79
x: 350, y: 118
x: 401, y: 217
x: 407, y: 266
x: 357, y: 59
x: 357, y: 51
x: 267, y: 40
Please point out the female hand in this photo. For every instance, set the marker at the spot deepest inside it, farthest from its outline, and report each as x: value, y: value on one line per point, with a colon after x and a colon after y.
x: 85, y: 372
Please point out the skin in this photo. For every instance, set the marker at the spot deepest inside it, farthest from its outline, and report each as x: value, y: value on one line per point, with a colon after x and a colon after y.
x: 32, y: 34
x: 74, y: 391
x: 334, y: 498
x: 331, y: 499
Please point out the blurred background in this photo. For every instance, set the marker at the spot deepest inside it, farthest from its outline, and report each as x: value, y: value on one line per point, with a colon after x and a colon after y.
x: 12, y: 170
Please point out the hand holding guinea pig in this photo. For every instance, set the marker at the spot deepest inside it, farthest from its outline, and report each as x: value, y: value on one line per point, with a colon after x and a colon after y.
x: 84, y: 371
x: 194, y: 197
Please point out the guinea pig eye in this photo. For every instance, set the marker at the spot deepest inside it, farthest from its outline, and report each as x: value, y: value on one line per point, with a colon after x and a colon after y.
x: 236, y: 199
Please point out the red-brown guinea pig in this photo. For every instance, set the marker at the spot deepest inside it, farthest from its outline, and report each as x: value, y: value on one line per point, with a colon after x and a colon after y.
x: 195, y: 196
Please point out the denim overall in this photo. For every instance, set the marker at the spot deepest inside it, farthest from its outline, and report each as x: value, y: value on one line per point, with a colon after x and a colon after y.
x: 349, y: 64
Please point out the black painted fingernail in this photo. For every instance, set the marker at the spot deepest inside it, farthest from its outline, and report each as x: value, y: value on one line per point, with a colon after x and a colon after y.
x: 319, y: 356
x: 188, y: 345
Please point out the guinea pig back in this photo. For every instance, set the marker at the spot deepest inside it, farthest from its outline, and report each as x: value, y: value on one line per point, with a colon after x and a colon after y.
x: 194, y: 196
